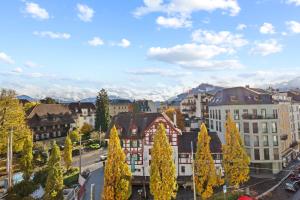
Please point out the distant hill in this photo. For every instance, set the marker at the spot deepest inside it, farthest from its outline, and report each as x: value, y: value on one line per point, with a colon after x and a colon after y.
x: 202, y: 88
x: 25, y: 97
x: 288, y: 85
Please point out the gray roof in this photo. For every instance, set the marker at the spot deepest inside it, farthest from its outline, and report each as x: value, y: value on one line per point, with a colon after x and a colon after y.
x: 241, y: 96
x: 52, y: 109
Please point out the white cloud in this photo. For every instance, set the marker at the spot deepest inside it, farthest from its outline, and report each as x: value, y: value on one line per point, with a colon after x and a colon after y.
x: 6, y: 58
x: 96, y: 41
x: 186, y: 7
x: 293, y: 26
x: 241, y: 27
x: 85, y: 13
x: 18, y: 70
x: 173, y: 22
x: 158, y: 71
x: 266, y: 47
x: 296, y: 2
x: 31, y: 64
x: 52, y: 35
x: 222, y: 38
x: 267, y: 28
x: 36, y: 11
x: 211, y: 64
x: 124, y: 43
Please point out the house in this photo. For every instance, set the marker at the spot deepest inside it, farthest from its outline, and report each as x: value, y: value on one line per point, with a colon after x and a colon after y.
x: 136, y: 132
x: 83, y: 112
x: 256, y: 115
x: 117, y: 106
x: 50, y: 121
x: 147, y: 106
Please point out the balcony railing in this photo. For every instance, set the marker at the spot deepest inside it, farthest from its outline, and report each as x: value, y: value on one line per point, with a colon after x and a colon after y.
x: 252, y: 116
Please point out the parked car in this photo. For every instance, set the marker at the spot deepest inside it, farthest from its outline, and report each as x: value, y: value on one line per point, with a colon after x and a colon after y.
x: 94, y: 146
x: 103, y: 157
x: 292, y: 186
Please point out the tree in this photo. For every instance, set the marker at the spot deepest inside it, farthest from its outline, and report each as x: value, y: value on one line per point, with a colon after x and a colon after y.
x: 26, y: 160
x: 74, y: 135
x: 102, y: 111
x: 206, y: 177
x: 48, y: 100
x: 163, y: 184
x: 117, y: 175
x: 179, y: 117
x: 12, y: 119
x: 235, y: 159
x: 30, y: 105
x: 54, y: 183
x: 86, y: 129
x: 68, y: 152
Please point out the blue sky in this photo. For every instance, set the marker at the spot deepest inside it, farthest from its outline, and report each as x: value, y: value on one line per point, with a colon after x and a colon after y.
x: 146, y: 49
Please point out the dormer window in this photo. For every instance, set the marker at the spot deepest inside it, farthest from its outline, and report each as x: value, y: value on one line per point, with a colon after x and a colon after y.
x: 233, y: 98
x: 133, y: 131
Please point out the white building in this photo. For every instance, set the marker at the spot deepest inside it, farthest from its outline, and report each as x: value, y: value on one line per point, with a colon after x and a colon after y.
x: 136, y: 134
x: 256, y: 116
x: 83, y: 112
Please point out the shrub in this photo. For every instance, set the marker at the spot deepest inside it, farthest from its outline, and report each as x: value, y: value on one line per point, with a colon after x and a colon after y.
x: 40, y: 177
x: 22, y: 190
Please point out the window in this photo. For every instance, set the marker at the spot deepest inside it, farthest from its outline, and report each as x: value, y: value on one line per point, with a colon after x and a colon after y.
x: 213, y: 114
x: 275, y: 140
x: 236, y: 115
x: 263, y: 113
x: 275, y: 114
x: 220, y: 126
x: 211, y: 124
x: 256, y: 154
x: 37, y: 137
x: 264, y: 127
x: 227, y: 113
x: 266, y: 154
x: 237, y: 126
x: 265, y: 140
x: 255, y: 127
x: 133, y: 131
x: 256, y: 141
x: 149, y: 151
x: 276, y: 154
x: 246, y: 127
x: 182, y: 169
x: 248, y: 151
x: 217, y: 126
x: 254, y: 112
x: 219, y: 114
x: 274, y: 127
x: 247, y: 140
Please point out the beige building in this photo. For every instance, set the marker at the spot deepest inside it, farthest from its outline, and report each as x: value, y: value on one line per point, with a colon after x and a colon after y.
x: 117, y: 106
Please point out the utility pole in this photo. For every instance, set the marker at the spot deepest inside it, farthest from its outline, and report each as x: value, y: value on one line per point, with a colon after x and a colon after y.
x: 80, y: 154
x: 9, y: 158
x: 193, y: 168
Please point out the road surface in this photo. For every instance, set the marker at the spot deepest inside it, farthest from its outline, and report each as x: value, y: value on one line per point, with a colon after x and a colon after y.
x: 97, y: 178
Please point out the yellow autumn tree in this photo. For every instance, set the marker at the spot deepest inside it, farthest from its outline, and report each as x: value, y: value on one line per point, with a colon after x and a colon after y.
x: 163, y: 184
x: 206, y: 177
x: 68, y: 153
x: 235, y: 159
x: 117, y: 175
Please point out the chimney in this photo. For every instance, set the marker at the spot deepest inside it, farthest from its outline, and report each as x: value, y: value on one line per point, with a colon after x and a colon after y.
x: 174, y: 118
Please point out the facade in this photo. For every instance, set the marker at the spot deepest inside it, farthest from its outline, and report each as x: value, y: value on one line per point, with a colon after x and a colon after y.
x: 50, y: 121
x: 147, y: 106
x: 188, y: 106
x: 136, y: 132
x: 117, y: 106
x: 83, y: 112
x: 257, y: 117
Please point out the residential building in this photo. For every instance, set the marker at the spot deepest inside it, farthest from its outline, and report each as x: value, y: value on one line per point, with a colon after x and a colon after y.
x: 147, y: 106
x: 188, y: 106
x: 83, y: 113
x: 256, y: 117
x: 117, y: 106
x: 136, y: 132
x: 50, y: 121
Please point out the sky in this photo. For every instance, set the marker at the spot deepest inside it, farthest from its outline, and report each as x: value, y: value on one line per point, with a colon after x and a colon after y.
x: 152, y: 49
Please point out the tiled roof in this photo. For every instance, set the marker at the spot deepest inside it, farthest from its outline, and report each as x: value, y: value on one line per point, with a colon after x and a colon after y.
x: 241, y: 96
x: 184, y: 142
x: 81, y: 105
x: 52, y: 109
x: 119, y: 101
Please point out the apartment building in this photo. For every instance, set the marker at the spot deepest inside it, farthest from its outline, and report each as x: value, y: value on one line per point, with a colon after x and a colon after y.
x: 117, y: 106
x: 256, y: 117
x: 83, y: 113
x: 136, y: 132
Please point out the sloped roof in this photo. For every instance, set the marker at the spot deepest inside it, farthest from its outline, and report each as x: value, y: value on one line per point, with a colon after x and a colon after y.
x: 241, y: 96
x: 184, y: 142
x: 81, y: 105
x: 52, y: 109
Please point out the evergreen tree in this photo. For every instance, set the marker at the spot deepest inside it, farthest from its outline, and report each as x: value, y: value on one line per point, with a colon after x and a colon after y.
x: 68, y: 153
x: 54, y: 183
x: 163, y: 184
x: 117, y: 175
x: 12, y: 118
x: 179, y: 117
x: 205, y: 172
x: 235, y: 159
x: 102, y: 111
x: 48, y: 100
x: 26, y: 160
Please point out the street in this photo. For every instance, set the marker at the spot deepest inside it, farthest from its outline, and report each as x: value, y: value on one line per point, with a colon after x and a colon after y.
x: 97, y: 178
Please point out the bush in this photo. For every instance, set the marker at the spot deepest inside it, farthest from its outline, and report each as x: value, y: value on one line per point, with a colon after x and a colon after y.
x: 71, y: 177
x: 40, y: 177
x: 22, y: 190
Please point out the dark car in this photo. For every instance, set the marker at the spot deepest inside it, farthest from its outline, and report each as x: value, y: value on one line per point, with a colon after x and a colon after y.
x: 292, y: 186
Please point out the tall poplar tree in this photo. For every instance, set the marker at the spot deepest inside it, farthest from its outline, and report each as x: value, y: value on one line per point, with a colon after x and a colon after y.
x: 117, y: 175
x: 235, y: 159
x: 163, y: 184
x: 68, y: 153
x: 26, y: 160
x: 206, y: 177
x: 102, y: 111
x: 54, y: 183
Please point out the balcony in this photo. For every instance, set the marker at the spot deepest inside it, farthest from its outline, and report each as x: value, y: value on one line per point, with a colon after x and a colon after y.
x: 284, y: 137
x: 252, y: 116
x: 188, y: 103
